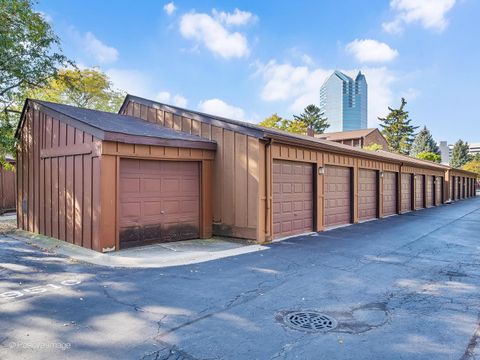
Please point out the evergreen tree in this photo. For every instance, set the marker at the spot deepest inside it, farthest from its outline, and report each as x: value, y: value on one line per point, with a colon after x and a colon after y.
x: 424, y: 143
x: 460, y: 155
x: 398, y: 130
x: 313, y: 119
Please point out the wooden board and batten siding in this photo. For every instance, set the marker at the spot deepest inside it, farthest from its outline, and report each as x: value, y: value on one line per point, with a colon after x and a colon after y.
x: 58, y: 169
x: 236, y: 170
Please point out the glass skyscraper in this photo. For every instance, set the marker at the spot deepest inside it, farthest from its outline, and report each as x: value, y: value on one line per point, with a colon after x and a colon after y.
x: 344, y: 102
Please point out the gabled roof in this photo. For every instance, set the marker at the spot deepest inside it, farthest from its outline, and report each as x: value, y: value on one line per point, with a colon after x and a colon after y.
x: 115, y: 127
x: 268, y: 134
x: 344, y: 135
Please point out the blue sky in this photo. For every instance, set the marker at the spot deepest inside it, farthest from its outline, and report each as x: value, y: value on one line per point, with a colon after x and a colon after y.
x: 249, y: 59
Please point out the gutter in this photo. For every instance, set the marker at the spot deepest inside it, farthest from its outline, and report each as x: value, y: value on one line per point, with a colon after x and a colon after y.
x: 268, y: 185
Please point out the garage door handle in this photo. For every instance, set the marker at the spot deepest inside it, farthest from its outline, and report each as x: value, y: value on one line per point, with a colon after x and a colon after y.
x: 162, y: 212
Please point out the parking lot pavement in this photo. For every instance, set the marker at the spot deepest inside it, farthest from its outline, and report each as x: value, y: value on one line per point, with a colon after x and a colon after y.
x: 404, y: 287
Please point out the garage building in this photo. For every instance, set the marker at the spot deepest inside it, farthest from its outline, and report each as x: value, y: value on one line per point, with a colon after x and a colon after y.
x: 155, y: 173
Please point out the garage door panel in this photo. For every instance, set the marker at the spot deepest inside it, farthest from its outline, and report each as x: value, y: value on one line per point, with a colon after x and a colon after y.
x: 337, y: 196
x: 292, y: 198
x: 419, y: 191
x: 438, y: 190
x: 406, y: 204
x: 389, y: 193
x: 429, y: 190
x: 367, y: 194
x: 159, y: 201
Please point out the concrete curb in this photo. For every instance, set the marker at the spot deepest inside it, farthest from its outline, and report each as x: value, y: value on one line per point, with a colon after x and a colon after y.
x: 161, y: 256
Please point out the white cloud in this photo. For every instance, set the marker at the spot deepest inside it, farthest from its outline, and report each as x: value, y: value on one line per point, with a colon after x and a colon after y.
x: 368, y: 50
x: 98, y: 50
x: 299, y: 86
x: 221, y: 108
x: 170, y: 8
x: 430, y: 13
x: 132, y: 81
x: 166, y: 97
x: 212, y: 34
x: 410, y: 94
x: 238, y: 17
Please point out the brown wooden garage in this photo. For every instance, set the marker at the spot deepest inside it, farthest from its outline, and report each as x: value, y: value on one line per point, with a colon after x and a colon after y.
x: 159, y: 201
x: 338, y: 193
x: 419, y: 191
x: 106, y: 181
x: 429, y: 190
x: 292, y: 198
x: 389, y: 193
x: 367, y: 194
x: 406, y: 204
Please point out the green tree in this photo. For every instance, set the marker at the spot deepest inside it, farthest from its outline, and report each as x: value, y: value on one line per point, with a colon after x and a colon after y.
x: 424, y: 143
x: 313, y: 119
x: 460, y: 155
x: 29, y: 57
x: 277, y: 122
x: 398, y: 130
x: 88, y: 88
x: 474, y: 166
x: 430, y: 156
x: 373, y: 147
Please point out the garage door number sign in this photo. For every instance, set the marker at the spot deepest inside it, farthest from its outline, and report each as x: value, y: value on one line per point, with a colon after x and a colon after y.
x: 9, y: 295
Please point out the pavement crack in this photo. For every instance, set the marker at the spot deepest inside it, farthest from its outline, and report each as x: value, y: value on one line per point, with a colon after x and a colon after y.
x: 472, y: 344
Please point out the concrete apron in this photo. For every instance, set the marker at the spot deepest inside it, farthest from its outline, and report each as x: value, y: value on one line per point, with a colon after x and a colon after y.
x: 151, y: 256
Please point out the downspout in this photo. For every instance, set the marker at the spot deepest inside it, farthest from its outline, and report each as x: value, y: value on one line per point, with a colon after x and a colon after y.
x: 268, y: 185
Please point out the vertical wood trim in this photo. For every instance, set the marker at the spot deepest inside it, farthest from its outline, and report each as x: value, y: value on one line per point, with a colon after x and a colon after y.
x: 206, y: 199
x: 96, y: 209
x: 217, y: 135
x: 31, y: 179
x: 354, y: 185
x: 108, y: 191
x: 117, y: 203
x: 380, y: 183
x: 261, y: 208
x: 228, y: 194
x: 253, y: 177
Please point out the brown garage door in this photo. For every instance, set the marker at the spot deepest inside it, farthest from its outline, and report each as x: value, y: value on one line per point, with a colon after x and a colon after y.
x: 338, y: 210
x: 429, y: 190
x: 367, y: 194
x: 159, y: 201
x: 292, y: 198
x: 454, y: 194
x: 458, y: 191
x: 438, y: 190
x: 389, y: 193
x: 406, y: 192
x: 419, y: 191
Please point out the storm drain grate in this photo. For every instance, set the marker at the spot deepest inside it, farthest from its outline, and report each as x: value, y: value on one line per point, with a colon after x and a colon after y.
x: 310, y: 321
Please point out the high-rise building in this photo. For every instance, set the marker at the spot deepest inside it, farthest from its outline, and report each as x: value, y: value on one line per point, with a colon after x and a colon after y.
x: 344, y: 102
